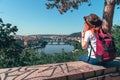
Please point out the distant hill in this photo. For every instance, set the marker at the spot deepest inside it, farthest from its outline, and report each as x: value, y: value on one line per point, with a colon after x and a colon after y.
x: 40, y: 35
x: 76, y: 34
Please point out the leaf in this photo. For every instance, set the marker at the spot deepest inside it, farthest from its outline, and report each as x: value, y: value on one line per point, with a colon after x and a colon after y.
x: 8, y: 25
x: 1, y: 20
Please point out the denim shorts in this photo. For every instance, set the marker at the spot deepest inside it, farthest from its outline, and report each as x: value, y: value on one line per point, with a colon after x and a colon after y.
x: 85, y: 57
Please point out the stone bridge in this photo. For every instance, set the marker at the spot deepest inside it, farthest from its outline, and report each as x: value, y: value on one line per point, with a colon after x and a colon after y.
x: 77, y: 70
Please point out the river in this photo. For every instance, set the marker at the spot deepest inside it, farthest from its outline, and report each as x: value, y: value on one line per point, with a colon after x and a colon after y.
x: 56, y: 48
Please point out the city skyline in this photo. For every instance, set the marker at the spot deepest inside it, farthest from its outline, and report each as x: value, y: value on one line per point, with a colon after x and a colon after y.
x: 31, y: 16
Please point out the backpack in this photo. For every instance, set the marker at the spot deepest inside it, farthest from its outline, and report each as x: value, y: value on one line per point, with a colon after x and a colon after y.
x: 105, y: 47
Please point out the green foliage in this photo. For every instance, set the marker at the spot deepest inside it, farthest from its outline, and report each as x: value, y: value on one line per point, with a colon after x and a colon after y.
x: 9, y: 49
x: 6, y: 35
x: 28, y: 57
x: 115, y: 32
x: 62, y: 57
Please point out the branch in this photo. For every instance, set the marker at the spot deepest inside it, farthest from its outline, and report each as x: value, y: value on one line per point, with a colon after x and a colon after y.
x: 64, y: 5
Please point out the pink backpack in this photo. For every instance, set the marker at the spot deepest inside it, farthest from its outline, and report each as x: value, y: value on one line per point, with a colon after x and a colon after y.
x: 105, y: 47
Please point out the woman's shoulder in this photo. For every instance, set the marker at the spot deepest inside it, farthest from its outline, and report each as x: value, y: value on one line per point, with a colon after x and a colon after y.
x: 88, y: 32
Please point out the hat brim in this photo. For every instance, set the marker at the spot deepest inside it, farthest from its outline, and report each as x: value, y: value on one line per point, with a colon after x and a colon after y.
x: 93, y: 23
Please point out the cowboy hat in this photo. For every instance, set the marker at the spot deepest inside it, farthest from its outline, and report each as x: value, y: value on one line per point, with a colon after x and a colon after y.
x: 93, y: 20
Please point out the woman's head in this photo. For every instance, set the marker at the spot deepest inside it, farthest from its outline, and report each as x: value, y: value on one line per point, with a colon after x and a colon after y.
x: 92, y: 22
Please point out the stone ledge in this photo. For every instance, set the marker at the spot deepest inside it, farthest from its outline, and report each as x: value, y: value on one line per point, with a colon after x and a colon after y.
x: 61, y: 71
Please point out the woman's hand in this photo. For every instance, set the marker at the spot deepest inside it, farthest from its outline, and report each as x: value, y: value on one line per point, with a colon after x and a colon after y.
x: 83, y: 34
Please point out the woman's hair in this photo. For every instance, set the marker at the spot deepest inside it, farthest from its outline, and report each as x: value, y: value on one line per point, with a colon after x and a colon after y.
x: 92, y: 29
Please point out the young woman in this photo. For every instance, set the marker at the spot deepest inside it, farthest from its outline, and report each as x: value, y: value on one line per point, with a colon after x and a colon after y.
x: 92, y: 23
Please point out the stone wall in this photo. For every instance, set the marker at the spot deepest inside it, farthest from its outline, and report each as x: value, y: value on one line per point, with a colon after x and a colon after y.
x: 63, y: 71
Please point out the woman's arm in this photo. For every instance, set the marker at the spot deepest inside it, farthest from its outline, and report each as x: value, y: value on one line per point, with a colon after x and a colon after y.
x: 83, y: 43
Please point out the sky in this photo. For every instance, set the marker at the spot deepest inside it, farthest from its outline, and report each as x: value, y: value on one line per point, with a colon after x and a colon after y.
x: 32, y: 17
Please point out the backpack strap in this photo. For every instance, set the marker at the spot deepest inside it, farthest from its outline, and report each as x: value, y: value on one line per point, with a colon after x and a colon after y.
x: 90, y: 51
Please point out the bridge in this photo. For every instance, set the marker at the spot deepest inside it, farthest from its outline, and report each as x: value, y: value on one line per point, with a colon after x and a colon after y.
x: 56, y: 43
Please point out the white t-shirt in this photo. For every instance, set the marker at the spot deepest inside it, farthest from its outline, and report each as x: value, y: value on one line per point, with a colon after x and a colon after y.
x: 89, y: 37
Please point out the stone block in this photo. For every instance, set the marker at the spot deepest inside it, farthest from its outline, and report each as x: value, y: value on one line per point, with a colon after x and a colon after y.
x: 76, y: 76
x: 110, y: 70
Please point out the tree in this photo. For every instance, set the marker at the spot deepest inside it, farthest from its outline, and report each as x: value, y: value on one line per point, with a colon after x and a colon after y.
x: 9, y: 49
x: 65, y: 5
x: 6, y: 34
x: 115, y: 32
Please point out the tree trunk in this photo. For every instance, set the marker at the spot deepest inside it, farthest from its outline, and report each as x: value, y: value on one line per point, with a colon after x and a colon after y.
x: 108, y: 14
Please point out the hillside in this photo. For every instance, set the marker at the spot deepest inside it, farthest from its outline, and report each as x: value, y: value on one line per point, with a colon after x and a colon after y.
x: 76, y: 34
